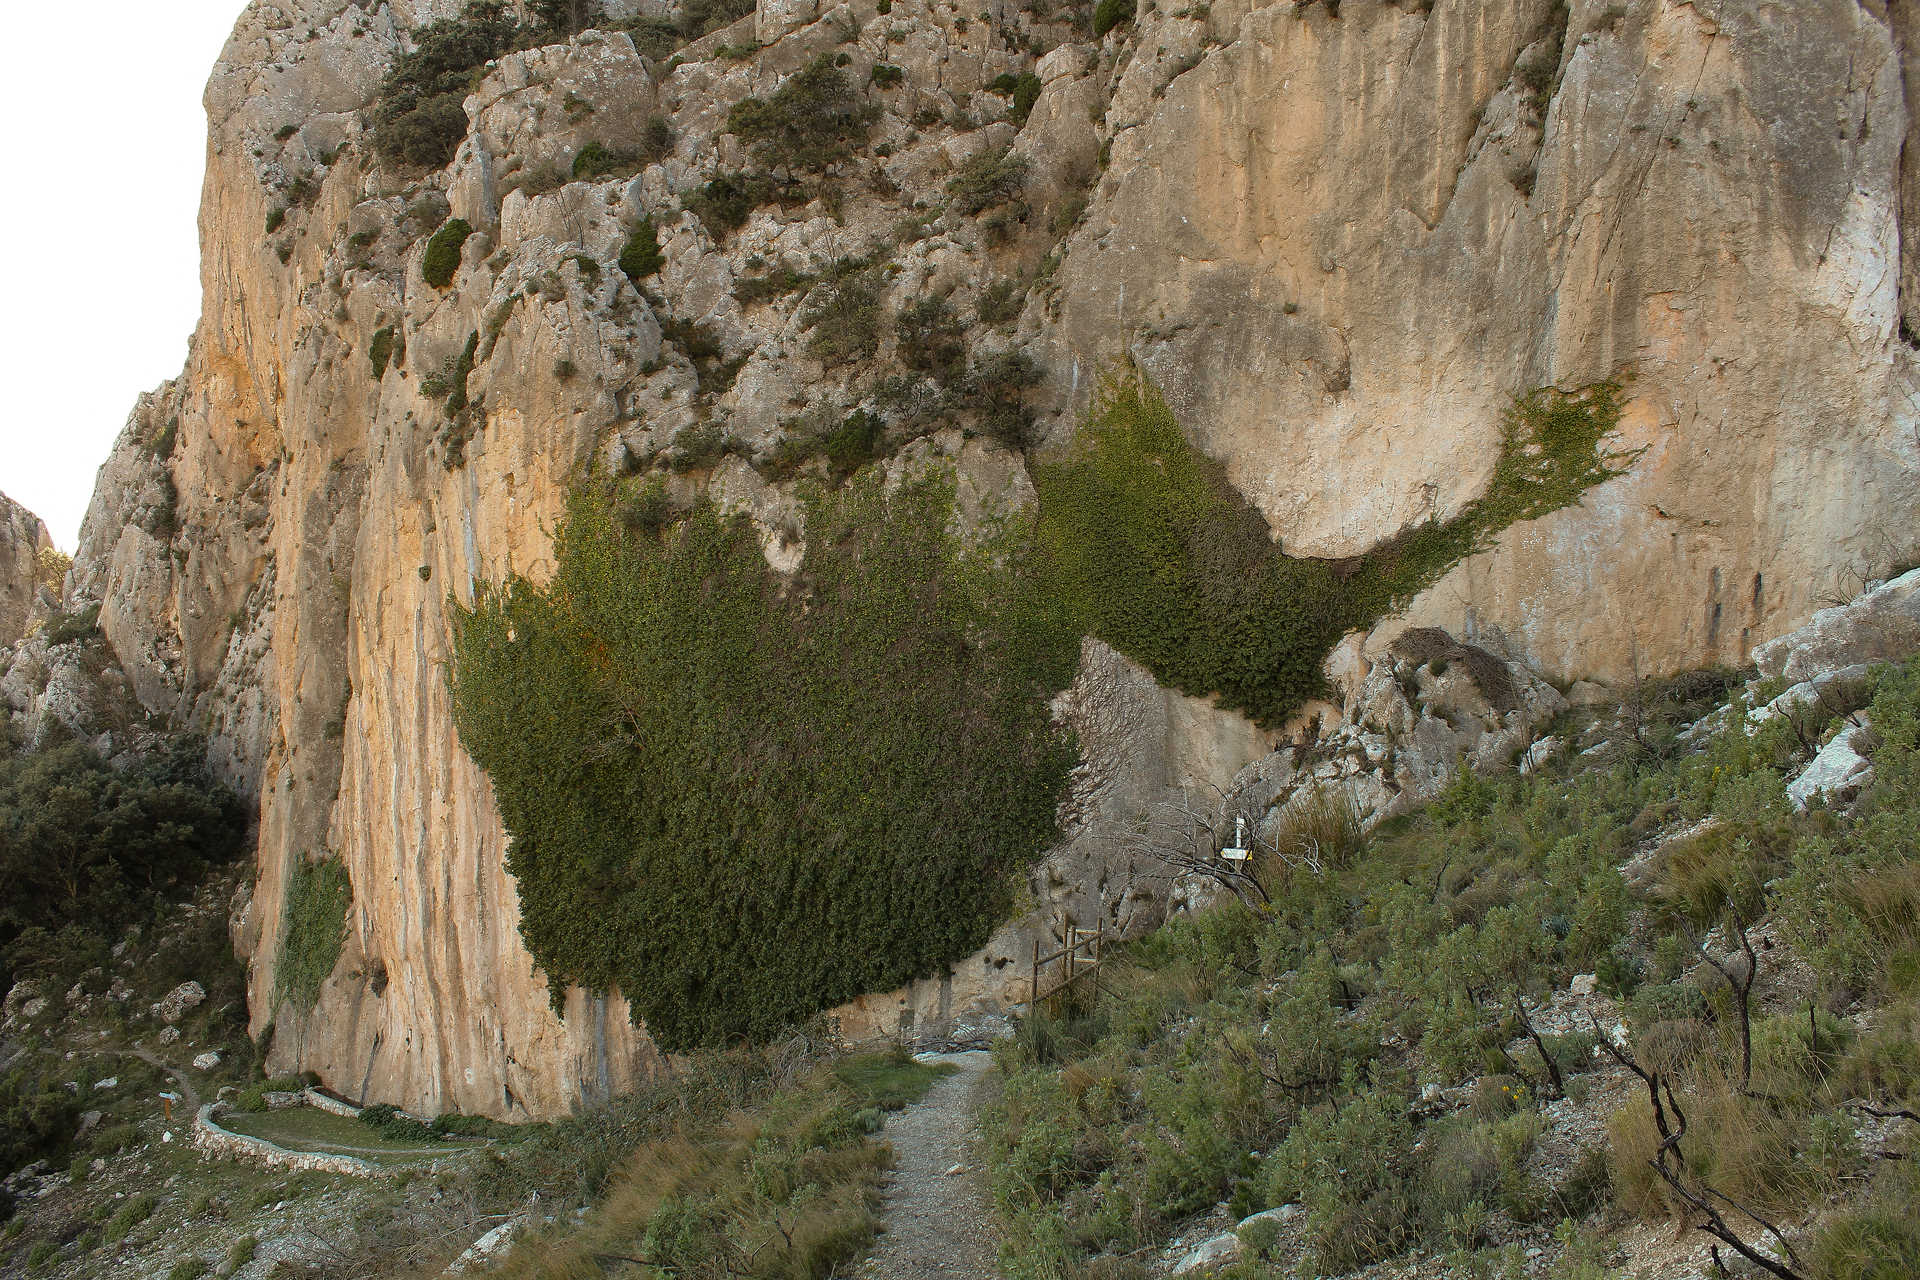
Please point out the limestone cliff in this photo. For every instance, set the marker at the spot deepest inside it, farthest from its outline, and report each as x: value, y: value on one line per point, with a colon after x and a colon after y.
x: 23, y: 568
x: 1340, y: 236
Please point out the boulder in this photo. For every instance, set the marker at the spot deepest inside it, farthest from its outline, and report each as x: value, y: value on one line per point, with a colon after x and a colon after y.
x: 207, y: 1061
x: 1879, y: 625
x: 177, y: 1003
x: 1839, y: 772
x: 481, y: 1254
x: 1209, y: 1254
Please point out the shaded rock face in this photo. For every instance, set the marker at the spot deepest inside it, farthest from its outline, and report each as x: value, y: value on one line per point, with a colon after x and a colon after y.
x: 1341, y: 244
x: 22, y: 539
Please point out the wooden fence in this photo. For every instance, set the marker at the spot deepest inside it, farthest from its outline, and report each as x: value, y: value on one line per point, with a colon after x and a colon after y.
x: 1077, y: 976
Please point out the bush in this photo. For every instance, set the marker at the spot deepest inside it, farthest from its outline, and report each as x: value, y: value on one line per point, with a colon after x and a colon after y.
x: 130, y: 1214
x: 725, y: 202
x: 988, y: 179
x: 640, y: 257
x: 812, y: 122
x: 395, y: 1124
x: 380, y: 351
x: 1026, y: 92
x: 1001, y: 301
x: 763, y: 873
x: 39, y: 1117
x: 417, y: 113
x: 932, y: 339
x: 844, y: 313
x: 1109, y: 14
x: 312, y: 929
x: 442, y: 259
x: 88, y: 850
x: 188, y: 1269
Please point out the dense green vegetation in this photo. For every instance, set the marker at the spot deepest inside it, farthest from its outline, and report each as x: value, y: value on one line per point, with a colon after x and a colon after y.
x: 741, y: 800
x: 640, y: 257
x: 318, y: 894
x: 417, y: 116
x: 1166, y: 561
x: 812, y: 122
x: 86, y: 850
x: 1277, y: 1055
x: 442, y: 258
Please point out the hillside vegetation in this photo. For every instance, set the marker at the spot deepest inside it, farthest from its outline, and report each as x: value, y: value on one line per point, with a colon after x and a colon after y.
x: 1392, y: 1046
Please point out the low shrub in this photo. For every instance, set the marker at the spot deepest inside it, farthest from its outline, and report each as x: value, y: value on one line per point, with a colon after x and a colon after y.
x: 131, y: 1213
x: 989, y: 179
x: 312, y: 930
x: 392, y: 1123
x: 380, y: 351
x: 844, y: 313
x: 932, y: 339
x: 418, y: 116
x: 442, y: 258
x: 724, y: 202
x: 813, y: 121
x: 1108, y: 14
x: 641, y: 257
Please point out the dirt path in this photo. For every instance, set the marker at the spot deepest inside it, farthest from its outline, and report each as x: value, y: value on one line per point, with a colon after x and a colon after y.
x: 190, y: 1096
x: 939, y: 1225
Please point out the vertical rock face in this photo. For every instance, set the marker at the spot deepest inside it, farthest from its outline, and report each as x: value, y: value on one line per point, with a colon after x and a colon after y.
x: 1341, y: 243
x: 22, y: 571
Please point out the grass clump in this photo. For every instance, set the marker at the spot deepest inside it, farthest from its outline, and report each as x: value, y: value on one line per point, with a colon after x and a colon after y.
x: 741, y: 801
x: 442, y: 258
x: 313, y: 926
x: 131, y: 1213
x: 1167, y: 562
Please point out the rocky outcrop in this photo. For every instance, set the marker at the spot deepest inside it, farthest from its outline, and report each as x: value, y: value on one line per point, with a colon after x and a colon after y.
x: 1882, y: 624
x: 24, y: 546
x: 1339, y: 237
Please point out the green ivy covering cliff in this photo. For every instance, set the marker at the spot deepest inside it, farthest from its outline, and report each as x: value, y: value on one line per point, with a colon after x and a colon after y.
x: 1160, y: 556
x: 741, y: 799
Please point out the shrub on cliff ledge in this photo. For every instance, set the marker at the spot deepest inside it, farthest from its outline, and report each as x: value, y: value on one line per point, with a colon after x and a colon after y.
x: 442, y: 258
x: 641, y: 257
x: 418, y: 116
x: 812, y: 122
x: 741, y: 800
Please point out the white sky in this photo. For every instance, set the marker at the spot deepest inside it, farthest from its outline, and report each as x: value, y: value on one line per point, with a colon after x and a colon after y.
x: 106, y: 143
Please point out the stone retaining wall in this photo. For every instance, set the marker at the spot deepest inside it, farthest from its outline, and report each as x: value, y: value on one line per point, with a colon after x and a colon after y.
x: 211, y: 1138
x: 332, y: 1105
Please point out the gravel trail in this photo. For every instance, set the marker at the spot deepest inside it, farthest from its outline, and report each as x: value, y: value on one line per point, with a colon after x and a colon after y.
x: 939, y: 1225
